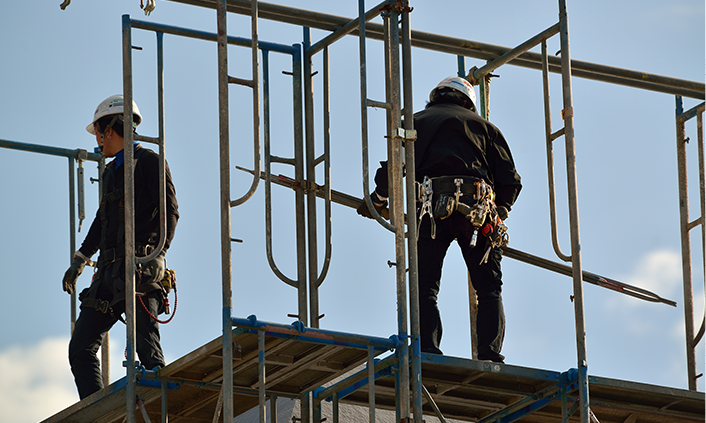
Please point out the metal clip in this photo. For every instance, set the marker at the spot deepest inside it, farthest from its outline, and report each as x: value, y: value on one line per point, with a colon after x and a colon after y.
x: 426, y: 196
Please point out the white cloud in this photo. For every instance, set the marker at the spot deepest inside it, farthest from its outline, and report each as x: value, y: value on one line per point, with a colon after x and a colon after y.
x: 36, y: 381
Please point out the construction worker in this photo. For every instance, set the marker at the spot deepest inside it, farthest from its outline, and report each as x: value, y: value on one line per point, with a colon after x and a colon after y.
x: 457, y: 153
x: 103, y: 303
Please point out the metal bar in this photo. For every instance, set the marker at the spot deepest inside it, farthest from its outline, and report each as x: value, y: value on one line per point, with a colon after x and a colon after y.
x: 474, y: 49
x: 371, y: 384
x: 72, y: 237
x: 129, y: 189
x: 433, y: 405
x: 81, y: 194
x: 273, y: 408
x: 702, y: 196
x: 472, y: 296
x: 572, y: 186
x: 685, y: 247
x: 311, y: 181
x: 345, y: 30
x: 164, y: 402
x: 356, y: 380
x: 162, y: 160
x: 268, y: 161
x: 413, y: 262
x: 326, y: 160
x: 364, y: 120
x: 589, y: 277
x: 224, y: 165
x: 378, y: 104
x: 209, y: 36
x: 299, y: 171
x: 297, y: 329
x: 515, y: 52
x: 256, y: 105
x: 261, y: 375
x: 550, y: 155
x: 52, y: 151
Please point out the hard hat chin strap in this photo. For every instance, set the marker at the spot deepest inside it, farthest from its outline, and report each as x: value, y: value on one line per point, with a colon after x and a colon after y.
x: 110, y: 125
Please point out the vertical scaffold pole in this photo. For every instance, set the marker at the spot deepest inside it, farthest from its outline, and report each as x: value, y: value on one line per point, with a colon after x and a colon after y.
x: 411, y: 213
x: 129, y: 166
x: 572, y: 185
x: 226, y: 265
x: 685, y: 227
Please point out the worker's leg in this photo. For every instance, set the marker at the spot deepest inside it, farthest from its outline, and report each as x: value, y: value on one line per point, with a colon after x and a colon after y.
x: 487, y: 281
x: 431, y: 253
x: 84, y: 344
x: 147, y: 338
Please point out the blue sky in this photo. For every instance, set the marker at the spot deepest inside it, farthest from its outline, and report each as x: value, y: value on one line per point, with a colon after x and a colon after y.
x: 58, y: 65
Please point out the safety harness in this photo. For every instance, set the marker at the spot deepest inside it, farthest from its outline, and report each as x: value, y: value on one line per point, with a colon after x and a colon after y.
x: 472, y: 197
x: 113, y: 257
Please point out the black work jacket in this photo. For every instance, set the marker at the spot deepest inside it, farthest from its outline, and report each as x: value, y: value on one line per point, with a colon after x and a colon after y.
x: 453, y: 140
x: 108, y: 226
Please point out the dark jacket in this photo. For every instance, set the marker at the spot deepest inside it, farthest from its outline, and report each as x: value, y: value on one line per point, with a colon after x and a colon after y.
x: 453, y: 140
x: 109, y: 223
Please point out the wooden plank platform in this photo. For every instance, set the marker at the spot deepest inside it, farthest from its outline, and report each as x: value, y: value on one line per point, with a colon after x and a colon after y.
x: 463, y: 389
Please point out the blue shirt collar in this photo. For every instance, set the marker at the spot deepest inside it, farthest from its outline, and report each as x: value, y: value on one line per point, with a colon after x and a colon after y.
x: 120, y: 156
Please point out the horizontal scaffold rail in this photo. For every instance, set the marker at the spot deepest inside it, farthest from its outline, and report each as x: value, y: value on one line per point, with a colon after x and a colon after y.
x: 468, y: 48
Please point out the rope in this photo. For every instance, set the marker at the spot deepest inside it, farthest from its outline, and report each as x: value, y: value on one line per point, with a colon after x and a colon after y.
x: 164, y: 322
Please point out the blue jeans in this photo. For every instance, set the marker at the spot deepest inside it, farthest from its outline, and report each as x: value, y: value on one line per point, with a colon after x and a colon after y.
x: 486, y: 279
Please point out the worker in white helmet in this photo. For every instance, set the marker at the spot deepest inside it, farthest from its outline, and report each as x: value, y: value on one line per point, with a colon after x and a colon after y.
x: 465, y: 167
x: 103, y: 303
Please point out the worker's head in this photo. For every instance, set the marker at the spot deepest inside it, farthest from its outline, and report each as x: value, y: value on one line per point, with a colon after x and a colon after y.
x: 107, y: 124
x: 455, y: 90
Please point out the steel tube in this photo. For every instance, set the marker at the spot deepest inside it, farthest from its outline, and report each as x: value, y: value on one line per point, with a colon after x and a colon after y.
x: 299, y: 172
x: 550, y: 155
x: 515, y: 52
x: 261, y: 375
x: 224, y: 165
x: 413, y: 262
x: 268, y: 163
x: 685, y: 246
x: 162, y: 154
x: 326, y: 160
x: 255, y: 108
x: 72, y: 237
x: 314, y: 333
x: 52, y: 151
x: 572, y: 185
x: 311, y: 181
x: 371, y: 384
x: 129, y: 189
x: 364, y: 120
x: 345, y: 30
x: 474, y: 49
x: 209, y: 36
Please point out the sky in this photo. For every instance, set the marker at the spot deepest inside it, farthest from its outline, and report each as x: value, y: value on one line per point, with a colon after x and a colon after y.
x: 58, y: 65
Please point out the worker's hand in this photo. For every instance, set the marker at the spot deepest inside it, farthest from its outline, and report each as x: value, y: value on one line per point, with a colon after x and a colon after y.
x: 502, y: 212
x: 155, y: 267
x: 380, y: 205
x: 77, y: 264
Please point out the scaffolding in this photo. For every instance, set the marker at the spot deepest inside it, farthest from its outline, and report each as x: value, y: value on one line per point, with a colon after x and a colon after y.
x: 218, y: 381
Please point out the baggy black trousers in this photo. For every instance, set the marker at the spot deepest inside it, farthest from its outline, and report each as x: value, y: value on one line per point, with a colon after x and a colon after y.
x: 486, y: 279
x: 88, y: 335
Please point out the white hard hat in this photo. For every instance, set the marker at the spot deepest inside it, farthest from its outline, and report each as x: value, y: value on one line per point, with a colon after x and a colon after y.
x: 113, y: 105
x: 459, y: 84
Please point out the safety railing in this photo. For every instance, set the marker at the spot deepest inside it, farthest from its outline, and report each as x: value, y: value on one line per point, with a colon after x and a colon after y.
x: 692, y: 339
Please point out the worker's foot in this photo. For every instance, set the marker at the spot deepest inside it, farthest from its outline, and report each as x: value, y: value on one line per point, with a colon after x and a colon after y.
x: 432, y: 350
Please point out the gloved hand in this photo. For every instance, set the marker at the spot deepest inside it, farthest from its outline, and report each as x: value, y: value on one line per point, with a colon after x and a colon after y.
x: 156, y: 267
x: 502, y: 212
x: 77, y: 264
x: 380, y: 205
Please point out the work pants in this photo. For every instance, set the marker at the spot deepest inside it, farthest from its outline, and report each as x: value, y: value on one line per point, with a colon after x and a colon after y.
x: 88, y: 333
x: 486, y: 279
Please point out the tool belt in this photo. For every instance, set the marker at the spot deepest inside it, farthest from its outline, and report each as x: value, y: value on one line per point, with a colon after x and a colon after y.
x: 113, y: 254
x: 470, y: 196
